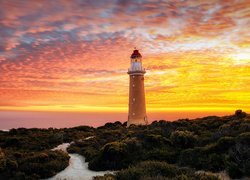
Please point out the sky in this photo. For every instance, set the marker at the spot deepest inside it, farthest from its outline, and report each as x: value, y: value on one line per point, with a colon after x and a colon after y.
x: 73, y: 55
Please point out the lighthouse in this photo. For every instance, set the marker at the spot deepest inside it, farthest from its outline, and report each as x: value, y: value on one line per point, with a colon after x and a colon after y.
x: 137, y: 106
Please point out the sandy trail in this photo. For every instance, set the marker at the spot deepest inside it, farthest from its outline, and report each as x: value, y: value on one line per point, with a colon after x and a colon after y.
x: 77, y: 169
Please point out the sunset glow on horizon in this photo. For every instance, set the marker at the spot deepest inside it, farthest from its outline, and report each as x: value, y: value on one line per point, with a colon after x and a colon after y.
x: 73, y: 56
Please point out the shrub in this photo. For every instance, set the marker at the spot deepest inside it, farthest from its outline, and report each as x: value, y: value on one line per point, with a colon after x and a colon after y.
x: 206, y: 176
x: 147, y: 168
x: 114, y: 151
x: 44, y: 164
x: 216, y: 162
x: 160, y: 155
x: 221, y: 146
x: 244, y: 138
x: 192, y: 158
x: 11, y: 165
x: 156, y: 141
x: 240, y: 114
x: 105, y: 177
x: 224, y: 144
x: 150, y: 170
x: 2, y: 160
x: 239, y: 157
x: 183, y: 139
x: 112, y: 156
x: 234, y: 171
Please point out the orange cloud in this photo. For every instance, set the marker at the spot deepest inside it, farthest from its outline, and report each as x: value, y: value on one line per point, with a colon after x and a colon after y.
x: 75, y: 56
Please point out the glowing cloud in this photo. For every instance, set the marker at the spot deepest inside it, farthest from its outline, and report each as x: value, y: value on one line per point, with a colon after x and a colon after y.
x: 73, y: 55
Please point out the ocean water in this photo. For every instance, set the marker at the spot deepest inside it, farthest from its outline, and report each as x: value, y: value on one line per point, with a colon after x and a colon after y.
x: 17, y: 119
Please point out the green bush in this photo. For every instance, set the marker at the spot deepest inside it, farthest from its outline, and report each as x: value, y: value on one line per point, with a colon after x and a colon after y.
x: 216, y: 162
x: 44, y: 164
x: 2, y: 161
x: 147, y: 168
x: 160, y: 155
x: 234, y: 171
x: 113, y: 156
x: 150, y: 170
x: 156, y: 141
x: 244, y: 138
x: 192, y: 157
x: 183, y: 139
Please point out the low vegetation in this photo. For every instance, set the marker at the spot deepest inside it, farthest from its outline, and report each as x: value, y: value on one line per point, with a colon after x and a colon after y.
x: 161, y: 150
x: 212, y: 144
x: 26, y: 153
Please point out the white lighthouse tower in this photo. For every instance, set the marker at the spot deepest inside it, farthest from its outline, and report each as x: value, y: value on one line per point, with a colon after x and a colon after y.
x: 137, y: 106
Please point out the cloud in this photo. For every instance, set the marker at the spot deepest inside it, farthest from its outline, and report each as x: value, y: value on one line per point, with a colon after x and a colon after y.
x: 54, y: 49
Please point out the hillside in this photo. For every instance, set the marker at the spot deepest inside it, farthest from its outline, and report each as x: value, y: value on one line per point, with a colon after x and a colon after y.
x: 161, y: 150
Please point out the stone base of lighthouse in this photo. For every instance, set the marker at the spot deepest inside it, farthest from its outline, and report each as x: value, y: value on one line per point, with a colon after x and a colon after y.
x: 137, y: 105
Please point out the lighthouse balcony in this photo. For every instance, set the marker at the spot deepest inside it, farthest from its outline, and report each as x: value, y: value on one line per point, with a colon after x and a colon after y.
x: 137, y: 71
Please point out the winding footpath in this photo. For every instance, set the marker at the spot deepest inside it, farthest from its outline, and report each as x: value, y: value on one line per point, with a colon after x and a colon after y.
x: 77, y: 169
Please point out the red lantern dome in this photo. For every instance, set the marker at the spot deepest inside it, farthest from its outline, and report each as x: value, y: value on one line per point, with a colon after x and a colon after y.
x: 136, y: 54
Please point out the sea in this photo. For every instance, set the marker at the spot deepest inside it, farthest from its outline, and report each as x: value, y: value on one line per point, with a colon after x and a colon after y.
x: 26, y: 119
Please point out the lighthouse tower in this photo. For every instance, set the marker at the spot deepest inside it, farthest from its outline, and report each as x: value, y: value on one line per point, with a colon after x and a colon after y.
x: 137, y: 106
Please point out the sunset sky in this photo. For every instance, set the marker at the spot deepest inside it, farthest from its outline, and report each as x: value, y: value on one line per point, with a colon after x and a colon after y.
x: 73, y: 55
